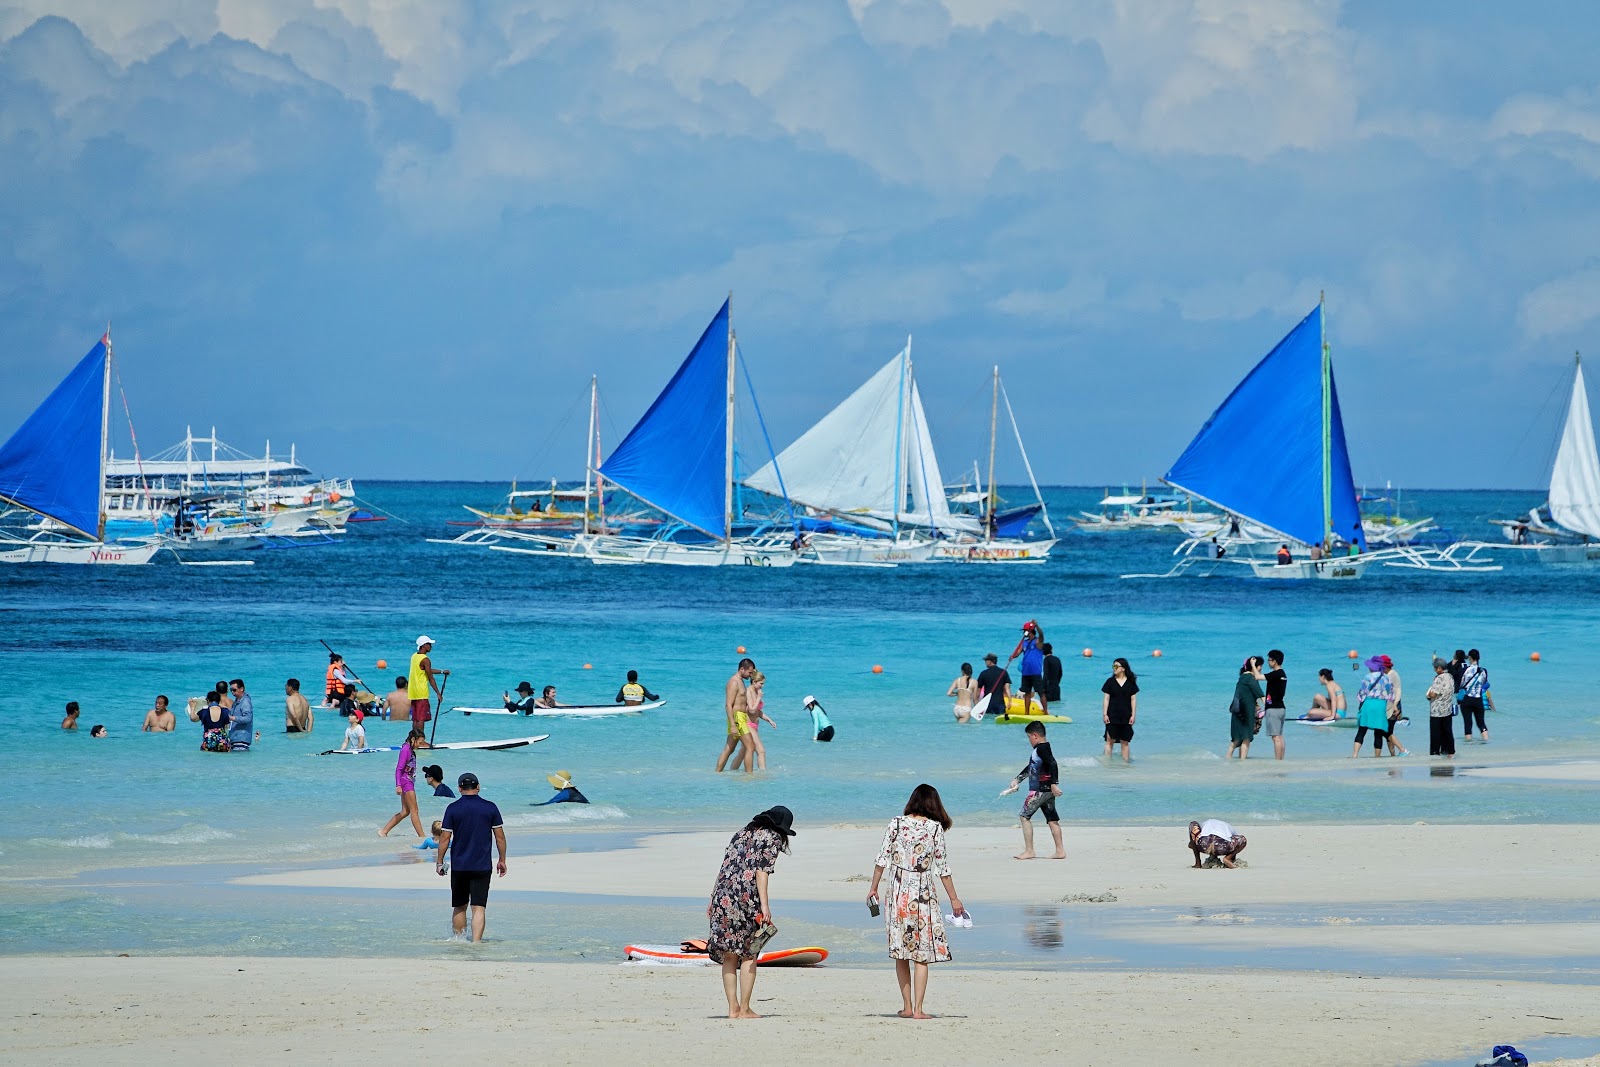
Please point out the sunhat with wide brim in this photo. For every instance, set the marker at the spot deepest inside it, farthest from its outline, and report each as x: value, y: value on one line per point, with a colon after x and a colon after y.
x: 1375, y: 663
x: 559, y: 780
x: 777, y: 818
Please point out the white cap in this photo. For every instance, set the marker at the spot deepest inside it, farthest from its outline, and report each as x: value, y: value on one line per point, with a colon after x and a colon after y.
x: 424, y: 640
x: 810, y: 700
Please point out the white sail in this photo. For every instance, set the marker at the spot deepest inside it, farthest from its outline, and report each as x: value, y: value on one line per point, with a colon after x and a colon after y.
x: 929, y: 506
x: 1575, y: 481
x: 847, y: 461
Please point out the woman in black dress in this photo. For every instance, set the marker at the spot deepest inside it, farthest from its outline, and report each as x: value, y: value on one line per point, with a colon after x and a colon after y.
x: 1119, y: 706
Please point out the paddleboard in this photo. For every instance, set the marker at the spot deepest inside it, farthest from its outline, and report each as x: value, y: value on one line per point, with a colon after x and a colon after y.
x: 570, y: 709
x: 809, y: 956
x: 1013, y: 719
x: 493, y: 744
x: 1349, y: 722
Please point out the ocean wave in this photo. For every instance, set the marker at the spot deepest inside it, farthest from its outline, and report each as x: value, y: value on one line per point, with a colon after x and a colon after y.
x: 87, y: 841
x: 1264, y: 816
x: 189, y: 835
x: 567, y: 815
x: 1080, y: 761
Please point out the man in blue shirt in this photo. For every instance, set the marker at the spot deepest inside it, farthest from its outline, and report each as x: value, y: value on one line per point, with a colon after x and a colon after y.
x: 469, y: 825
x: 1031, y: 649
x: 243, y: 727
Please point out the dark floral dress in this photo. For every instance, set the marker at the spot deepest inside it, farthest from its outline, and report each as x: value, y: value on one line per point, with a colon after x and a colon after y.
x: 735, y: 903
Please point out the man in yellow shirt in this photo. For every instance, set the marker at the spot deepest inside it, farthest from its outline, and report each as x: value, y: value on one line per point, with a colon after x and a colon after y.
x: 423, y: 678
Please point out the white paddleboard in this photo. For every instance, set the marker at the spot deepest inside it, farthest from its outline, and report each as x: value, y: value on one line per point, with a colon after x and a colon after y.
x: 571, y: 709
x: 491, y: 744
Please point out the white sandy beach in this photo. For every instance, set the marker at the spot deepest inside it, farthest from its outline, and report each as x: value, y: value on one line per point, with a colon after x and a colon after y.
x: 1315, y: 866
x: 188, y: 1010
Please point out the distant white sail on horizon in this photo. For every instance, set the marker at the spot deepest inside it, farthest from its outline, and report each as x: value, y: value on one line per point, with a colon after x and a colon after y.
x: 1575, y: 479
x: 862, y: 457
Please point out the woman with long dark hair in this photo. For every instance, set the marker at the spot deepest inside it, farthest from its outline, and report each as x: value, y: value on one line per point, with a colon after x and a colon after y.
x: 405, y: 783
x: 1120, y: 706
x: 1247, y: 695
x: 741, y: 911
x: 913, y: 852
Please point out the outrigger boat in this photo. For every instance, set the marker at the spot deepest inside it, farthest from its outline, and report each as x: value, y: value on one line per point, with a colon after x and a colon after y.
x: 679, y: 458
x: 54, y: 465
x: 1566, y: 528
x: 991, y: 546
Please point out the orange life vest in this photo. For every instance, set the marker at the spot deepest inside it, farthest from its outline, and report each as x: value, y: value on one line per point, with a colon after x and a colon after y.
x: 335, y: 686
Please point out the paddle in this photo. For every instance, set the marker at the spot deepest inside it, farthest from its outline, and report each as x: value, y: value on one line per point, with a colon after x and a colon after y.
x: 435, y: 729
x: 347, y: 667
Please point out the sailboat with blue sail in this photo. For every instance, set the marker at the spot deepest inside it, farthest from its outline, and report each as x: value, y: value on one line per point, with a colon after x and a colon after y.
x: 679, y: 458
x: 1274, y: 456
x: 54, y: 465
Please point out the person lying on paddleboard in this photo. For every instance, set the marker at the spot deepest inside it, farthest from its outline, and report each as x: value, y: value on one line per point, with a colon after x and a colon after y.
x: 633, y: 691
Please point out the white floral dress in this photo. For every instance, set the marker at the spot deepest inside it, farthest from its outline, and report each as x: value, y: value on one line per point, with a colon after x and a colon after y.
x: 913, y: 854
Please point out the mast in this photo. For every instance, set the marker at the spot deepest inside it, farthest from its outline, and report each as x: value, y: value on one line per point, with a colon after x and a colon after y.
x: 1327, y: 426
x: 989, y: 501
x: 900, y: 437
x: 105, y: 430
x: 727, y: 481
x: 589, y: 461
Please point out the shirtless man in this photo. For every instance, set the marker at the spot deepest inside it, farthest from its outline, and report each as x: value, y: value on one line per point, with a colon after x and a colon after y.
x: 297, y: 714
x: 737, y: 707
x: 159, y: 719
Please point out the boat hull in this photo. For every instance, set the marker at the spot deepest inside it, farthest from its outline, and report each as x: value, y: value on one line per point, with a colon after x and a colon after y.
x: 98, y: 555
x: 994, y: 551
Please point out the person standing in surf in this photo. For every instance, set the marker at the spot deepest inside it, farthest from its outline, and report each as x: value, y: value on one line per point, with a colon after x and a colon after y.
x: 965, y: 690
x: 736, y: 706
x: 1247, y: 694
x: 297, y: 714
x: 1030, y: 648
x: 242, y: 716
x: 1276, y: 706
x: 740, y: 912
x: 469, y: 824
x: 1119, y: 707
x: 421, y: 680
x: 995, y: 684
x: 405, y: 783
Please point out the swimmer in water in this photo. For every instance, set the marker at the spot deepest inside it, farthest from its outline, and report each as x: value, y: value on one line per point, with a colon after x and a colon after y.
x: 566, y: 792
x: 98, y: 730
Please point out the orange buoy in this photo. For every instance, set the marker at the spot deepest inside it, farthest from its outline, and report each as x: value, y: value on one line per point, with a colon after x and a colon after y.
x: 877, y: 668
x: 1534, y: 656
x: 1088, y: 652
x: 1353, y: 654
x: 383, y: 664
x: 740, y: 650
x: 588, y: 666
x: 1156, y: 654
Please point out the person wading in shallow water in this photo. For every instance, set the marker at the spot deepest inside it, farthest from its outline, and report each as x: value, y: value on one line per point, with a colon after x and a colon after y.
x: 468, y: 826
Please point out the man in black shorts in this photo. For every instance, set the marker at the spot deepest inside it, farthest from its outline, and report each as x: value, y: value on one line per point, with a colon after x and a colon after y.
x: 469, y: 825
x: 1044, y: 785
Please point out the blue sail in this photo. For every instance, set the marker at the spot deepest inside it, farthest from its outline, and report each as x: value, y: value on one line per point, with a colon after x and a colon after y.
x: 1260, y: 453
x: 52, y: 463
x: 675, y: 457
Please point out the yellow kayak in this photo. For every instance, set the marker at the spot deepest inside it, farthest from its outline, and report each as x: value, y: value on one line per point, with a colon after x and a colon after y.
x: 1013, y: 714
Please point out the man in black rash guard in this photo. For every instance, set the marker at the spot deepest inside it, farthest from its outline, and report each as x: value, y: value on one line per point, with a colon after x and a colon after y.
x: 1044, y: 785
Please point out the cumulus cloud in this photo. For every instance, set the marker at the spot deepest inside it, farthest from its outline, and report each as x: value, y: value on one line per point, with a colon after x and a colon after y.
x: 1561, y: 306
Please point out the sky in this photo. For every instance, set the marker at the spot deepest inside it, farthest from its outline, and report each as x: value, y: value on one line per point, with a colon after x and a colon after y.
x: 403, y: 234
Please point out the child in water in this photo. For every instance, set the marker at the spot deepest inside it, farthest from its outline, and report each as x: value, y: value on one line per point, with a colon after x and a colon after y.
x: 754, y: 699
x: 432, y: 842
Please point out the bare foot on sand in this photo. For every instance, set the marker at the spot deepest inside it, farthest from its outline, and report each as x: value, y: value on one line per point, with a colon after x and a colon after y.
x: 1023, y: 856
x: 905, y: 1013
x: 748, y: 1014
x: 383, y: 833
x: 1059, y: 856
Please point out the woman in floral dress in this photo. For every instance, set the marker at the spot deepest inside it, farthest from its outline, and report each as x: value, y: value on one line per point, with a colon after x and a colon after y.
x: 913, y: 853
x: 740, y: 906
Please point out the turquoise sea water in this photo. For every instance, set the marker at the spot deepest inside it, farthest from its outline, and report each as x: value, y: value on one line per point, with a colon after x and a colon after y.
x: 114, y: 638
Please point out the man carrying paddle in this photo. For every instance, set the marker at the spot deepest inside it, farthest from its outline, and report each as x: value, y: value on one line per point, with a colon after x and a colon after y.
x: 421, y: 680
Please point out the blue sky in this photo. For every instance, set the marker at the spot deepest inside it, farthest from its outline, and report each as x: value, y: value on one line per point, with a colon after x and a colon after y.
x: 403, y: 235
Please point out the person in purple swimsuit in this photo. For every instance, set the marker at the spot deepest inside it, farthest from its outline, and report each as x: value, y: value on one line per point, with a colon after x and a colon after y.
x: 405, y: 783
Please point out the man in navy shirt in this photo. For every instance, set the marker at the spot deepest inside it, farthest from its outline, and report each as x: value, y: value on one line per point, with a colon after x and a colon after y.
x: 469, y: 825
